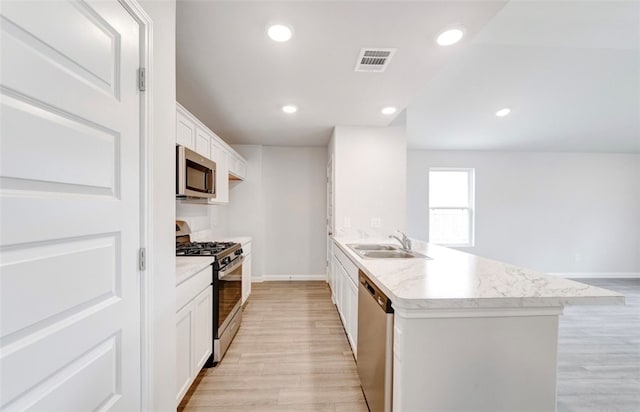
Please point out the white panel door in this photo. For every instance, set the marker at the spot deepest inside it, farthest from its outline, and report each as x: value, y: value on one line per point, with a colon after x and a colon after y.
x: 70, y: 210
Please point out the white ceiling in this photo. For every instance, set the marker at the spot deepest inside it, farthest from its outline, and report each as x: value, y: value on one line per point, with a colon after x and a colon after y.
x: 570, y: 72
x: 235, y: 79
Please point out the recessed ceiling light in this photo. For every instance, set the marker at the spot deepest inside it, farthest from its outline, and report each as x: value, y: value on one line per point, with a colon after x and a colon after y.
x: 503, y: 112
x: 449, y: 37
x: 388, y: 110
x: 289, y: 109
x: 279, y: 32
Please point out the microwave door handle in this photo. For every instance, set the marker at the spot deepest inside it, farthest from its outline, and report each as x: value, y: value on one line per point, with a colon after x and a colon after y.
x: 210, y: 183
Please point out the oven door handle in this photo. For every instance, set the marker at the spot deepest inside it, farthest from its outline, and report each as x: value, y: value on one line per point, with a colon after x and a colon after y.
x: 230, y: 268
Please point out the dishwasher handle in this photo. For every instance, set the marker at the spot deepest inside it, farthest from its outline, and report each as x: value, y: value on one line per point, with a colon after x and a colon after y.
x: 377, y: 295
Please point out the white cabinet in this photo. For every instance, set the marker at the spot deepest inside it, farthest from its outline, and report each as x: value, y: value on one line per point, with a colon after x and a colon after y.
x: 203, y: 330
x: 338, y: 281
x: 184, y: 351
x: 246, y: 278
x: 194, y: 328
x: 185, y: 131
x: 352, y: 329
x: 344, y: 288
x: 193, y: 134
x: 203, y: 142
x: 237, y: 167
x: 220, y: 156
x: 246, y: 269
x: 332, y: 278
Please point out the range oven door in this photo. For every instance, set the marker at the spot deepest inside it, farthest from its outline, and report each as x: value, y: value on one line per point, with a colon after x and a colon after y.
x: 228, y: 294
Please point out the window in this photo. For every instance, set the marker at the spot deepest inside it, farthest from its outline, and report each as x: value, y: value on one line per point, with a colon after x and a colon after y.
x: 451, y: 214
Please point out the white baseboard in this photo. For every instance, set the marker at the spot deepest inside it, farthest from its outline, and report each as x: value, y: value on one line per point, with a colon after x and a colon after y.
x: 269, y: 278
x: 593, y: 275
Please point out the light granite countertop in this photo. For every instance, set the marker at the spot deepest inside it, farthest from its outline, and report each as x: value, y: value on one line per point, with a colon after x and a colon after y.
x: 187, y: 266
x: 456, y: 280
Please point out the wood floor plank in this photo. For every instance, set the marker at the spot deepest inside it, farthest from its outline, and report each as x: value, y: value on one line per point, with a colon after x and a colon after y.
x: 290, y: 354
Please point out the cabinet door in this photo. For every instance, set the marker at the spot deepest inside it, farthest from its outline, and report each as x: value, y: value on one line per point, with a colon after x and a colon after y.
x: 184, y: 351
x: 242, y: 169
x: 203, y: 143
x: 246, y: 278
x: 332, y: 277
x: 219, y: 155
x: 203, y: 328
x: 341, y: 286
x: 352, y: 332
x: 185, y: 131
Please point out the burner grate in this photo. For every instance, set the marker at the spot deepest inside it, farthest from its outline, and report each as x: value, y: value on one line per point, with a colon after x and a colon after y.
x: 201, y: 248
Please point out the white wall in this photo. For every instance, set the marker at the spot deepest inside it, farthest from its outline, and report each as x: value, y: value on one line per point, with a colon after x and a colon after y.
x: 294, y: 193
x: 370, y: 179
x: 282, y: 206
x: 159, y: 395
x: 207, y: 222
x: 554, y: 212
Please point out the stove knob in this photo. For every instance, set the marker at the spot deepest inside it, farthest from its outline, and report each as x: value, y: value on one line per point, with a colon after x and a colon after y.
x: 238, y: 252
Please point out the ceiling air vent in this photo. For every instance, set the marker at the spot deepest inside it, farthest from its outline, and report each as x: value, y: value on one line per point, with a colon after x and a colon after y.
x: 374, y: 60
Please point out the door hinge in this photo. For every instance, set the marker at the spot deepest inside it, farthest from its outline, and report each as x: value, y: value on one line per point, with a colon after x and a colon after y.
x: 142, y: 259
x: 142, y: 80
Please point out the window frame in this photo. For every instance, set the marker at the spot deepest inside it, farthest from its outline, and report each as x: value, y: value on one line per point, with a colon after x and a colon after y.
x: 471, y: 209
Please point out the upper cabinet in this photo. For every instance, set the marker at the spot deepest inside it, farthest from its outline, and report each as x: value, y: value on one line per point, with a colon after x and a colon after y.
x: 185, y: 130
x: 220, y: 156
x: 193, y: 134
x: 203, y: 142
x: 237, y: 167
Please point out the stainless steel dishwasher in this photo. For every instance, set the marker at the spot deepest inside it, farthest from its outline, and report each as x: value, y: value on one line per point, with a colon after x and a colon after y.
x: 375, y: 345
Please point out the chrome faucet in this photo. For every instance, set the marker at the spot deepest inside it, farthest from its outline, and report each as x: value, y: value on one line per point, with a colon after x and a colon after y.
x: 405, y: 242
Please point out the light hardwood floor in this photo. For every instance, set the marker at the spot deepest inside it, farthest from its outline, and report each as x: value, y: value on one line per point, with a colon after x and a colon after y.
x: 291, y: 354
x: 599, y: 353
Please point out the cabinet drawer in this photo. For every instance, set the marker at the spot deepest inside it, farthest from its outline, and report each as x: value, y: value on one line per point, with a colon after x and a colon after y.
x: 191, y: 287
x: 347, y: 264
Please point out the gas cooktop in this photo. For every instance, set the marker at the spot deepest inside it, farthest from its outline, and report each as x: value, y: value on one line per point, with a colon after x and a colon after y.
x: 202, y: 248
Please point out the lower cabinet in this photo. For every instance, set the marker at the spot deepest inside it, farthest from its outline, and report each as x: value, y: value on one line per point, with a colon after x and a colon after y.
x: 194, y: 333
x: 246, y: 278
x: 246, y: 271
x: 352, y: 330
x: 345, y: 294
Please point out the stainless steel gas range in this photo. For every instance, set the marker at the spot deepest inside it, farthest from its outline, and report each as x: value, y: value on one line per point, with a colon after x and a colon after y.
x: 226, y: 282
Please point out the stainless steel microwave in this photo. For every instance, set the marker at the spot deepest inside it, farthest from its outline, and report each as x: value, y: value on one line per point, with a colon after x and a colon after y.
x: 195, y: 174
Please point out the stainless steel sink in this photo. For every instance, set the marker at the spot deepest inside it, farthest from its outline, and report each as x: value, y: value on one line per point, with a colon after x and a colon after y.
x: 393, y: 254
x: 382, y: 251
x: 364, y: 246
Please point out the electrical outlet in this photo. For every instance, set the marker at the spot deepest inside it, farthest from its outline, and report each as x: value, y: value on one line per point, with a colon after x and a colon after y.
x: 577, y: 257
x: 376, y: 222
x: 347, y: 223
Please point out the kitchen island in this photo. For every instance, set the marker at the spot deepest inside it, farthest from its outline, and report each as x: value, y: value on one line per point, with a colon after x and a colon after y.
x: 470, y: 333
